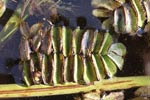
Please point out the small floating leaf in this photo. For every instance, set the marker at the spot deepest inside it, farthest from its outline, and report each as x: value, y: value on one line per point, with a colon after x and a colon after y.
x: 99, y: 66
x: 55, y: 36
x: 119, y: 20
x: 78, y: 69
x: 89, y: 74
x: 77, y: 38
x: 110, y: 66
x: 118, y: 49
x: 118, y: 60
x: 57, y: 69
x: 66, y: 41
x: 97, y: 42
x: 107, y: 41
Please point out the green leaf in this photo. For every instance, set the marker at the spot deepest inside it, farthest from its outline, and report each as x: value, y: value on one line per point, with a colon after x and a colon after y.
x: 77, y: 38
x: 118, y: 48
x: 57, y: 69
x: 89, y: 74
x: 118, y: 60
x: 78, y: 69
x: 55, y: 35
x: 66, y: 41
x: 99, y: 66
x: 97, y: 42
x: 110, y: 66
x: 107, y: 41
x: 138, y: 7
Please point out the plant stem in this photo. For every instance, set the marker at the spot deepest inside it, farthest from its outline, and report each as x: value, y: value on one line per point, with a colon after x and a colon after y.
x: 15, y: 90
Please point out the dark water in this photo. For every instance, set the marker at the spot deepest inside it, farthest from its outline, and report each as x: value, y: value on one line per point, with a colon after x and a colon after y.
x: 10, y: 55
x: 9, y: 49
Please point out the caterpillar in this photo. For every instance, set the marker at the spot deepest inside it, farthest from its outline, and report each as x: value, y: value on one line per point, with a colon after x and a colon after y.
x: 60, y: 54
x: 125, y: 16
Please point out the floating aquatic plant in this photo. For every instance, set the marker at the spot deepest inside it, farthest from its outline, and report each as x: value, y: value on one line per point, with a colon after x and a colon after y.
x: 59, y: 55
x: 125, y: 16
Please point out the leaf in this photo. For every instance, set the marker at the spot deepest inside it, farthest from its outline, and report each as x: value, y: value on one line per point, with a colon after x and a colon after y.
x: 118, y: 48
x: 110, y: 66
x: 118, y: 60
x: 107, y: 42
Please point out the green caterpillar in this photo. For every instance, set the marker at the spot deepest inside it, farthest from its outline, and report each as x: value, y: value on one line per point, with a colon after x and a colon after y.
x: 59, y: 55
x: 126, y: 16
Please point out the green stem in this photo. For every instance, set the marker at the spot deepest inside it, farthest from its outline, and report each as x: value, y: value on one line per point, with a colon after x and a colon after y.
x: 15, y: 90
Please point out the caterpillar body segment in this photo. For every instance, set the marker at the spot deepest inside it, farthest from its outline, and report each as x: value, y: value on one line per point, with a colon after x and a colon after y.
x: 71, y: 55
x: 127, y: 16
